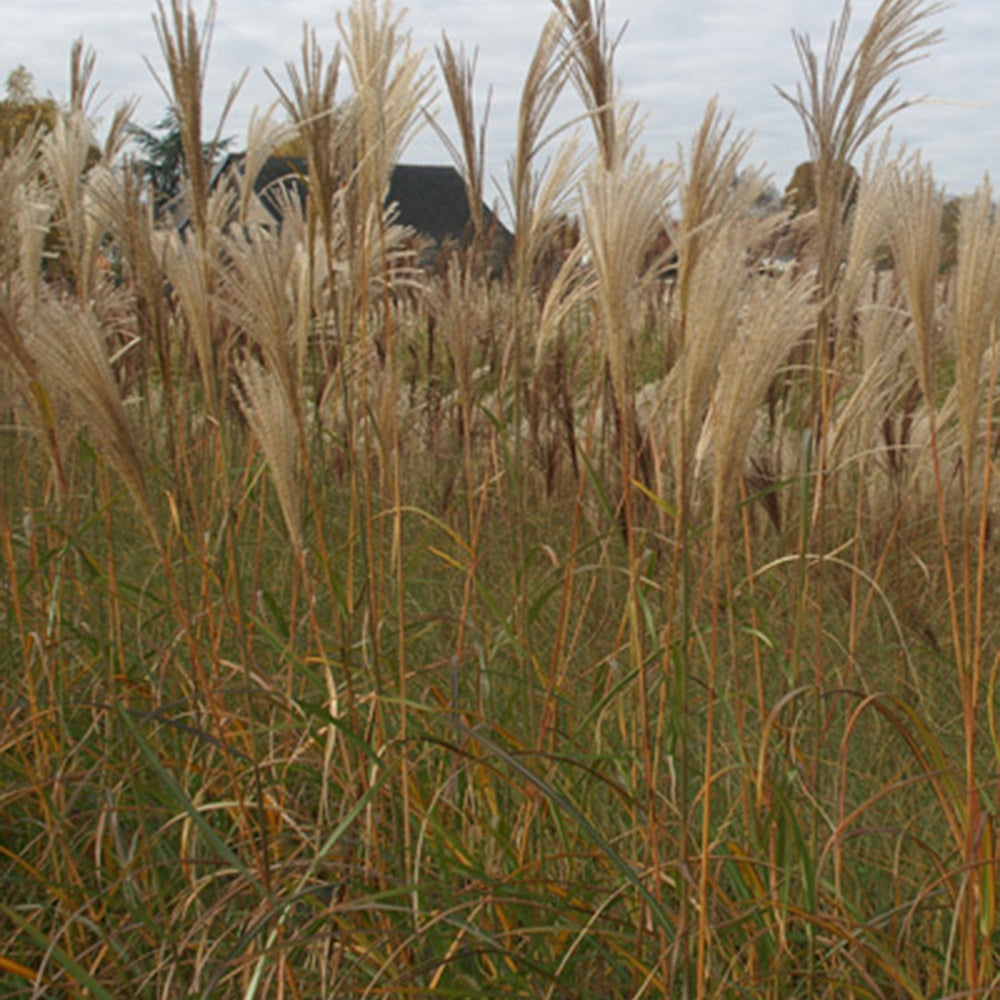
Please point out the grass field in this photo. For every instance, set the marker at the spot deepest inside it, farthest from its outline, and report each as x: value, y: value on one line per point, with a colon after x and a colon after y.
x: 583, y: 633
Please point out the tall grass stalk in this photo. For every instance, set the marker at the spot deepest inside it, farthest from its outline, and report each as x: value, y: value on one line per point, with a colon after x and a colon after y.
x: 975, y: 333
x: 623, y: 204
x: 841, y: 106
x: 459, y: 72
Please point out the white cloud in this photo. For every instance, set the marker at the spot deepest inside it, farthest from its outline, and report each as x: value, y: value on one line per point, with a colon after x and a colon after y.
x: 672, y: 59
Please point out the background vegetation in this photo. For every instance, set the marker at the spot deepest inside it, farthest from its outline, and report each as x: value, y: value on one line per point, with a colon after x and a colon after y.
x: 621, y: 627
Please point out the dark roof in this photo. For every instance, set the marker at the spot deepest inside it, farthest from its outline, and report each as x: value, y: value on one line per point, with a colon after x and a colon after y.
x: 288, y: 171
x: 431, y: 199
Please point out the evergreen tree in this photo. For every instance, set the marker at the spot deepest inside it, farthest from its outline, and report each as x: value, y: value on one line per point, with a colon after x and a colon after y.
x: 162, y: 156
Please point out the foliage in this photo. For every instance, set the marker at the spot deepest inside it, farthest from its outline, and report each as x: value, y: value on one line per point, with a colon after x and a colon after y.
x: 800, y: 192
x: 162, y: 159
x: 21, y: 111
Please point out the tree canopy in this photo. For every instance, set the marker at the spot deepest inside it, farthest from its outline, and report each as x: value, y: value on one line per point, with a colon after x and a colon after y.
x: 800, y: 192
x: 21, y: 110
x: 162, y: 155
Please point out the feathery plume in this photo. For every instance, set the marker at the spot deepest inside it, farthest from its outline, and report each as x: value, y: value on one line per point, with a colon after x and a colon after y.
x: 861, y: 429
x: 185, y: 50
x: 390, y: 86
x: 776, y: 314
x: 592, y: 64
x: 713, y: 192
x: 325, y: 129
x: 459, y: 73
x: 843, y: 105
x: 269, y: 413
x: 623, y: 206
x: 543, y: 84
x: 869, y: 232
x: 717, y: 288
x: 266, y: 296
x: 917, y: 205
x: 67, y: 344
x: 977, y: 306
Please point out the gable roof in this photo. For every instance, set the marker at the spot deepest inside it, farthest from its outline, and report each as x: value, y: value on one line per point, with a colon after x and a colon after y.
x: 430, y: 199
x: 433, y: 201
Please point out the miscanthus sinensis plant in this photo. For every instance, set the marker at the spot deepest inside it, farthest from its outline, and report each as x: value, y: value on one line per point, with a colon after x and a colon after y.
x: 619, y: 624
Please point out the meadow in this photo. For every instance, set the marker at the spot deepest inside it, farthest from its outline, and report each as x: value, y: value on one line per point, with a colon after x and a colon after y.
x: 617, y: 626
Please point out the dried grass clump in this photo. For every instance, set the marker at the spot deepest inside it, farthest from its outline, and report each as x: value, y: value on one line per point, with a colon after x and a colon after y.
x: 32, y: 213
x: 623, y: 202
x: 390, y: 87
x: 485, y: 676
x: 67, y: 343
x: 185, y: 50
x: 21, y: 388
x: 549, y: 260
x: 870, y: 431
x: 64, y: 158
x: 716, y: 193
x: 266, y: 291
x: 269, y: 293
x: 717, y: 291
x: 712, y: 236
x: 190, y: 256
x: 264, y: 137
x: 325, y: 129
x: 132, y: 230
x: 461, y: 308
x: 193, y: 284
x: 532, y: 211
x: 459, y: 72
x: 977, y: 307
x: 78, y: 173
x: 869, y: 236
x: 359, y: 401
x: 842, y: 105
x: 271, y: 415
x: 774, y: 316
x: 592, y: 66
x: 915, y: 236
x: 26, y: 207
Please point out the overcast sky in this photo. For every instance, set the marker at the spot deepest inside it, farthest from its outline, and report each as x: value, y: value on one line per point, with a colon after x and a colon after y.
x: 673, y: 57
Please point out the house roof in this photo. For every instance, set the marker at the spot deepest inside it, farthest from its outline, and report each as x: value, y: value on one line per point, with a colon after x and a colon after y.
x: 433, y: 201
x: 430, y: 199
